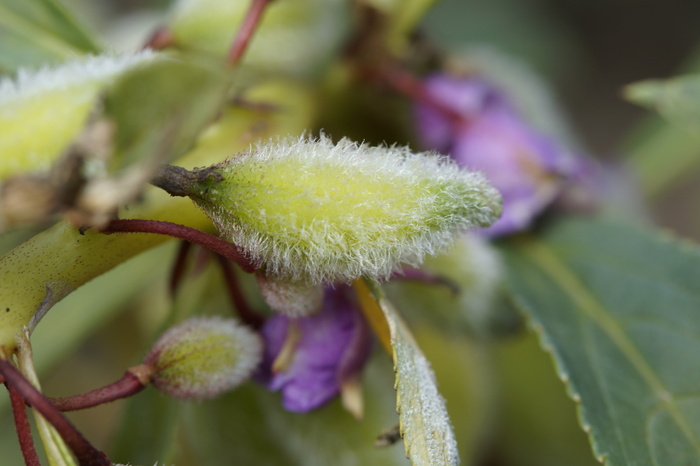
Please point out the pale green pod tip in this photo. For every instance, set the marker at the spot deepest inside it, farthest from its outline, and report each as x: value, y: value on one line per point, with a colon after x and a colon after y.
x: 310, y: 210
x: 203, y: 357
x: 42, y: 111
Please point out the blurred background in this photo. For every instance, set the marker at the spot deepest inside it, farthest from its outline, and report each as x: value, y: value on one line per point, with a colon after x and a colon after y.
x: 588, y: 51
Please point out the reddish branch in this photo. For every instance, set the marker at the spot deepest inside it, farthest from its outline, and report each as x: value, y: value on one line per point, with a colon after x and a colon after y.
x: 408, y: 85
x: 245, y: 312
x: 211, y: 242
x: 245, y: 32
x: 133, y: 381
x: 24, y: 432
x: 421, y: 276
x: 178, y: 269
x: 240, y: 303
x: 86, y: 454
x: 160, y: 39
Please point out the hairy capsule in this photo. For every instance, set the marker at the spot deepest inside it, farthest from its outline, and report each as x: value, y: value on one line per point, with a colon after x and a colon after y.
x: 313, y: 211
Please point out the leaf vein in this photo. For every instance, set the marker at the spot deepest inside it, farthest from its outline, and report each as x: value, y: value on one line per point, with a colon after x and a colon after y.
x: 588, y: 304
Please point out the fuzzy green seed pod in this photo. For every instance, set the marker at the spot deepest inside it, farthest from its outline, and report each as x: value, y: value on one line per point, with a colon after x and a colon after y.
x: 203, y: 357
x: 309, y: 210
x: 41, y: 112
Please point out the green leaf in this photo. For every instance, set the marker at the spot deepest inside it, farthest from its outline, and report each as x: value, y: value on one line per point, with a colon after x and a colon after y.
x: 663, y: 156
x: 670, y: 150
x: 425, y: 424
x: 618, y: 308
x: 537, y: 425
x: 677, y: 99
x: 464, y: 369
x: 37, y: 32
x: 159, y: 109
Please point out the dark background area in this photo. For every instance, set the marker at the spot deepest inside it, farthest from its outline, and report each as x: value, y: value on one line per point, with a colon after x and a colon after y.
x: 586, y: 52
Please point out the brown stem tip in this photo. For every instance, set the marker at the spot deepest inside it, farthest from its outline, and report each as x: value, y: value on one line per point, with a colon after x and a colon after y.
x: 178, y: 181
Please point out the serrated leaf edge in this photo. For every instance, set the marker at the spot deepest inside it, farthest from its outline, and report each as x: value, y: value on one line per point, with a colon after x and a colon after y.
x: 398, y: 327
x: 551, y: 266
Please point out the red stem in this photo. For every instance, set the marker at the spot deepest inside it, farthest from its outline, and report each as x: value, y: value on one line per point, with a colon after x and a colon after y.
x: 245, y: 312
x: 24, y: 431
x: 211, y: 242
x: 410, y: 86
x: 86, y: 454
x: 419, y: 275
x: 245, y: 32
x: 128, y: 385
x: 160, y: 39
x: 178, y: 269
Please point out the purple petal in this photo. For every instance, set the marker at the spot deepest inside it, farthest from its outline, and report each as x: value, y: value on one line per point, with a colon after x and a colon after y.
x: 333, y: 345
x: 523, y: 165
x: 468, y: 97
x: 528, y: 169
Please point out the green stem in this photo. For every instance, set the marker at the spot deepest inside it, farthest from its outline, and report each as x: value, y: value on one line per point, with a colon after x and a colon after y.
x: 211, y: 242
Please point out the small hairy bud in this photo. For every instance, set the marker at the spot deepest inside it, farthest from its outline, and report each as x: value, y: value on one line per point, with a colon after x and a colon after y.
x: 312, y: 211
x: 203, y: 357
x: 293, y: 299
x: 41, y: 112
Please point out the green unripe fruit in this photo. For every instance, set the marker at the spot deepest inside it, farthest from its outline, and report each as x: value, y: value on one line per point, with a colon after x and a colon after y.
x: 42, y: 112
x: 312, y: 211
x: 203, y: 357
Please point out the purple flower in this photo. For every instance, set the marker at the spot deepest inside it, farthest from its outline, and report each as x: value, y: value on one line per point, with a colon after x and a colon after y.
x: 528, y: 168
x: 319, y: 353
